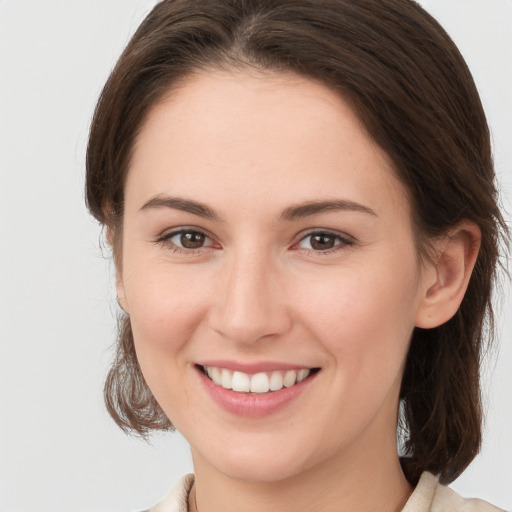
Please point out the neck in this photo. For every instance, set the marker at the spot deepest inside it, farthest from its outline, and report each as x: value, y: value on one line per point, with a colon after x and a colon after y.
x: 377, y: 484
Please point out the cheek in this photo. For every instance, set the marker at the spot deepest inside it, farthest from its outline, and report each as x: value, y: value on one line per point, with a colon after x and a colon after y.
x: 166, y: 306
x: 364, y: 317
x: 166, y: 310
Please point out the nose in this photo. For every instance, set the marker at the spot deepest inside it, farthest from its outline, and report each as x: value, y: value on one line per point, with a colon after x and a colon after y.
x: 250, y: 304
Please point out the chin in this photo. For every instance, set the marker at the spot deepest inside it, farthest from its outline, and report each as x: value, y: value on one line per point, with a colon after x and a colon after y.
x: 257, y: 470
x: 257, y: 461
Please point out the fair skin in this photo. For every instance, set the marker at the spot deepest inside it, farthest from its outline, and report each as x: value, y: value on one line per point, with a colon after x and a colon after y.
x: 265, y: 232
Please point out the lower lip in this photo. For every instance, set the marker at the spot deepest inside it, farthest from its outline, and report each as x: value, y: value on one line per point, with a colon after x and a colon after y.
x: 253, y: 404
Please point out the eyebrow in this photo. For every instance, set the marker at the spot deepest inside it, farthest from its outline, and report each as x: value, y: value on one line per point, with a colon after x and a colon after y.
x: 315, y: 207
x: 184, y: 205
x: 292, y: 213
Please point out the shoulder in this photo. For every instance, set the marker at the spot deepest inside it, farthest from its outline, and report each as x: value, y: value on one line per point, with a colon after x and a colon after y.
x: 446, y: 499
x: 177, y: 499
x: 431, y: 496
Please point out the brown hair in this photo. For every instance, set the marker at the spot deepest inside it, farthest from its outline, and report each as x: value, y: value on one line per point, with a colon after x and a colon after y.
x: 411, y: 88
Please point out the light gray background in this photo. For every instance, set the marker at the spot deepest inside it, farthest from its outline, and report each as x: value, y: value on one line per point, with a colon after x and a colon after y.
x: 59, y: 451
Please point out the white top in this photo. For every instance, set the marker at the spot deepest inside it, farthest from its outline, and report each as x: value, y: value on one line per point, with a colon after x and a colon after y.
x: 429, y: 496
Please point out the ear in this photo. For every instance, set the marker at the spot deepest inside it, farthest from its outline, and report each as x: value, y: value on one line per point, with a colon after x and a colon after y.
x: 121, y: 296
x: 446, y: 278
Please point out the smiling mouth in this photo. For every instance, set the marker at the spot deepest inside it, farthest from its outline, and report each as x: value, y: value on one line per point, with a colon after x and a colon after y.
x: 260, y: 383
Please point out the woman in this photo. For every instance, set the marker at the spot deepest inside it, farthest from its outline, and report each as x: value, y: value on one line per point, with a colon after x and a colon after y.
x: 300, y: 200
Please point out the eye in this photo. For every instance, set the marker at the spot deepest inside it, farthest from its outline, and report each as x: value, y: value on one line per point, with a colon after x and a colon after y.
x: 186, y: 240
x: 323, y: 241
x: 189, y: 240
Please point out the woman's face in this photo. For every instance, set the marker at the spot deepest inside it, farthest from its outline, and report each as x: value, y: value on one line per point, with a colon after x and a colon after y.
x: 266, y: 234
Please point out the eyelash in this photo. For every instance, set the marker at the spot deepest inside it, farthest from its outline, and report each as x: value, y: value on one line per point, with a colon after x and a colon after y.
x: 165, y: 241
x: 343, y: 241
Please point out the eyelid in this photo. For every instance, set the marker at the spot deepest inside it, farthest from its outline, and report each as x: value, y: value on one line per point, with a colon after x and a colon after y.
x: 166, y: 236
x: 344, y: 238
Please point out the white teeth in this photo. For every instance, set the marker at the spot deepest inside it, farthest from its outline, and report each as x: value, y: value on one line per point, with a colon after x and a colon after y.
x: 276, y: 381
x: 216, y: 375
x: 302, y: 374
x: 226, y: 378
x: 241, y: 382
x: 258, y: 383
x: 290, y: 378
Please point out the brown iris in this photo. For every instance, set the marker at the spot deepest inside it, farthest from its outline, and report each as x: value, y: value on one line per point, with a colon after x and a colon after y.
x: 192, y: 240
x: 322, y: 242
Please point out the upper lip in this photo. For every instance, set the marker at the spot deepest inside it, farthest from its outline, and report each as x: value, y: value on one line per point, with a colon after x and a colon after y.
x: 253, y: 368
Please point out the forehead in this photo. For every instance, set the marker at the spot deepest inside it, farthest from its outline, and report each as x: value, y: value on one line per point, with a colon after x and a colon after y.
x: 221, y: 133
